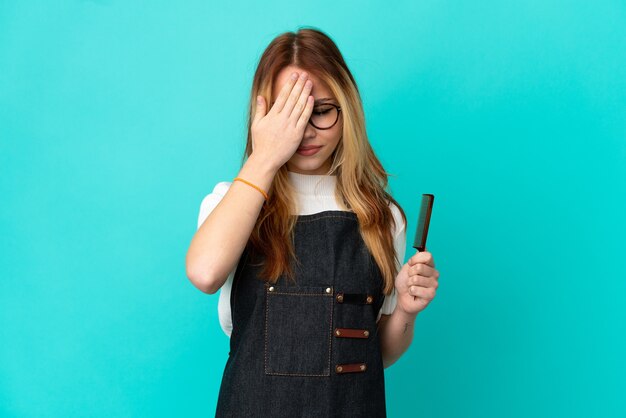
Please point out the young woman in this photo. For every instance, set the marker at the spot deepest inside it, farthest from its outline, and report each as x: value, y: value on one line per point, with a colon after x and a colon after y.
x: 306, y: 246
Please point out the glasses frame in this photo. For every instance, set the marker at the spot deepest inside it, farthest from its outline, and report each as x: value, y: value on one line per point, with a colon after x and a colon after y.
x: 324, y: 104
x: 336, y: 120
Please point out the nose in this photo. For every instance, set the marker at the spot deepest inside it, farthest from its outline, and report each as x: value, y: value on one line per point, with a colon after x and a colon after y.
x: 309, y: 130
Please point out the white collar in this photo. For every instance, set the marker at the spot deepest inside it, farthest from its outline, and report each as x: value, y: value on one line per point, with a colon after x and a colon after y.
x: 313, y: 184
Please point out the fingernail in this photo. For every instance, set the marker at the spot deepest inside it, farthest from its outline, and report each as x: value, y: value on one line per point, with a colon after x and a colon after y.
x: 294, y: 76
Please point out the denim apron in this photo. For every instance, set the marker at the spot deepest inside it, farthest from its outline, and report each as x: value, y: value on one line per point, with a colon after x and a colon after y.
x: 309, y: 349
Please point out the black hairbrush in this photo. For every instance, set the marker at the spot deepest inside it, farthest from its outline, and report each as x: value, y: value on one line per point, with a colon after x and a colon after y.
x: 423, y: 221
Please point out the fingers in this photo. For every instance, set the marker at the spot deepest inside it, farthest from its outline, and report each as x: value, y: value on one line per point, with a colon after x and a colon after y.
x: 423, y: 281
x: 303, y: 120
x: 422, y: 270
x: 302, y: 102
x: 422, y: 292
x: 284, y: 93
x: 260, y: 108
x: 422, y: 257
x: 303, y: 85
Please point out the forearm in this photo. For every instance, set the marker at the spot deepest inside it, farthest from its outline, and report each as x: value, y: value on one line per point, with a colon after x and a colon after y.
x: 396, y: 335
x: 220, y: 240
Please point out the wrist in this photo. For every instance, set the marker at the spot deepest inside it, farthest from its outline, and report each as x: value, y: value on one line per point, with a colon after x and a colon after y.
x: 261, y: 165
x: 404, y: 315
x: 258, y: 172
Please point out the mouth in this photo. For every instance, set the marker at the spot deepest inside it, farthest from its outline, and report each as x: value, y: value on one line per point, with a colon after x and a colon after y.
x: 309, y: 150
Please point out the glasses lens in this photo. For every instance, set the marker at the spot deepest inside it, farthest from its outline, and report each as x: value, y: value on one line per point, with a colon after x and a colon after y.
x: 324, y: 116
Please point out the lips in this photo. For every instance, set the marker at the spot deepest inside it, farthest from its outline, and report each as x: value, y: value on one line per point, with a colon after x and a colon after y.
x: 309, y: 150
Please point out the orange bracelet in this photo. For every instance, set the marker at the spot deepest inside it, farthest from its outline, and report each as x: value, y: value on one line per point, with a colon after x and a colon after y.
x: 256, y: 187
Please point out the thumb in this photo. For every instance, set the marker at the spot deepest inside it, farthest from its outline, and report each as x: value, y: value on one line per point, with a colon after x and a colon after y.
x: 260, y: 108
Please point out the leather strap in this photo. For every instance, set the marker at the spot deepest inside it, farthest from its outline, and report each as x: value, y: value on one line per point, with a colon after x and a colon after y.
x: 350, y: 368
x: 355, y: 298
x: 351, y: 333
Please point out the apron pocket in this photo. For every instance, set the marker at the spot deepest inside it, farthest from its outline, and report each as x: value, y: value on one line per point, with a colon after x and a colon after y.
x: 298, y: 330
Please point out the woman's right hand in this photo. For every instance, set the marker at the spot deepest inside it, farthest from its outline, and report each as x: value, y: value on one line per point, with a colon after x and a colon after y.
x: 277, y: 134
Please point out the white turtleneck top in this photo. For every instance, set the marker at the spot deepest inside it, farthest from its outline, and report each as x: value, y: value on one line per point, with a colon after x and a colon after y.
x: 314, y: 193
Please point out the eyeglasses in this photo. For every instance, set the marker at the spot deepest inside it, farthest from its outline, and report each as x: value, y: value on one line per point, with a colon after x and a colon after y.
x: 324, y: 115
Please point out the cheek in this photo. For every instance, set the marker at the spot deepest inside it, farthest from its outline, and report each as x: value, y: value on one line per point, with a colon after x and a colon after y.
x: 333, y: 139
x: 337, y: 137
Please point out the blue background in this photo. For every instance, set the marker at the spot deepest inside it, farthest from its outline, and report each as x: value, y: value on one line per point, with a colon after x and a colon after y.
x: 118, y: 117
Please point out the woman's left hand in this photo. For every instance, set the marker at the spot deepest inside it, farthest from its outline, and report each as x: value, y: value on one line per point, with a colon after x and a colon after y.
x: 416, y: 283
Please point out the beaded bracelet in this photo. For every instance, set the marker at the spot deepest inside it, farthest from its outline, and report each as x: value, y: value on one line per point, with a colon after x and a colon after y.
x: 256, y: 187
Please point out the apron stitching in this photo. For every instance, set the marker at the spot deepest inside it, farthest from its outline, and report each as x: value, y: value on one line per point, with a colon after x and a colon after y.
x: 301, y: 294
x: 330, y: 333
x: 324, y: 217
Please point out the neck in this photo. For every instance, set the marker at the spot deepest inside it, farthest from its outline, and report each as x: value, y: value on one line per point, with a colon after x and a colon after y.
x: 313, y: 184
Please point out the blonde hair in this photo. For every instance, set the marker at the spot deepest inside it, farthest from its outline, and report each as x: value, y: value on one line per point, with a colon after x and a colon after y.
x: 361, y: 179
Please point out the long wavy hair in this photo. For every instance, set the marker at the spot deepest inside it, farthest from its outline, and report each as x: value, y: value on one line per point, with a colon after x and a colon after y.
x: 361, y: 179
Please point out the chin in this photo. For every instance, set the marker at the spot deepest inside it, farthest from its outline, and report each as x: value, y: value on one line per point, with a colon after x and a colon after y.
x: 307, y: 166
